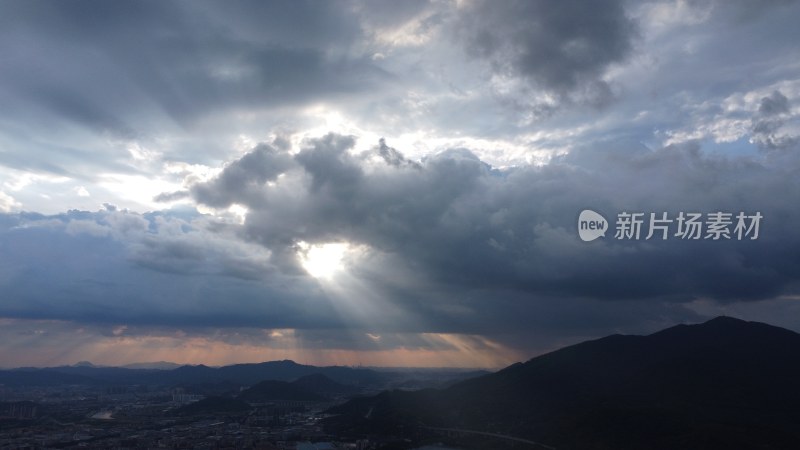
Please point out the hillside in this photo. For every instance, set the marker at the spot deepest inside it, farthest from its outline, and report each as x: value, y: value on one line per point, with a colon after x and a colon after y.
x: 725, y: 383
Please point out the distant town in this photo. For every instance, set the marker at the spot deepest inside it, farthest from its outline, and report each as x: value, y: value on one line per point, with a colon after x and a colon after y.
x: 84, y: 406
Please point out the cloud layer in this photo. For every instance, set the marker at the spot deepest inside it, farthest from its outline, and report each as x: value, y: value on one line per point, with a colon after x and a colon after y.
x: 435, y: 155
x: 448, y: 244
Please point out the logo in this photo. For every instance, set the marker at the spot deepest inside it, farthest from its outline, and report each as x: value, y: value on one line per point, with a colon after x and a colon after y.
x: 591, y: 225
x: 715, y: 226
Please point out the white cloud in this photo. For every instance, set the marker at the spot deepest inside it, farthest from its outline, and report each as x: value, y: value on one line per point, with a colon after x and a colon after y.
x: 7, y: 203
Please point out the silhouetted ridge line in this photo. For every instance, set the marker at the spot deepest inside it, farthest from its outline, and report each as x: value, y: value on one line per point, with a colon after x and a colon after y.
x: 725, y: 383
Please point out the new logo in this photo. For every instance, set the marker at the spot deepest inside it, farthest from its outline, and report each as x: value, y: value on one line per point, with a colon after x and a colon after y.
x: 591, y: 225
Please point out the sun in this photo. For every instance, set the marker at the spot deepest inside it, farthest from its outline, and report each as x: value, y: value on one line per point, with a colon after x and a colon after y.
x: 322, y: 260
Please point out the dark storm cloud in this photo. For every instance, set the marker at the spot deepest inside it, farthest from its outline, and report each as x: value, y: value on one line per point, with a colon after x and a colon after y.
x: 171, y: 196
x: 121, y: 267
x: 748, y: 10
x: 185, y: 57
x: 459, y: 223
x: 767, y: 131
x: 445, y: 244
x: 448, y: 244
x: 129, y: 71
x: 560, y: 46
x: 774, y: 104
x: 393, y: 157
x: 250, y: 173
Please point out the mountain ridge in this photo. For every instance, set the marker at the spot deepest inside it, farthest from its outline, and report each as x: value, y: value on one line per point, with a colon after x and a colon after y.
x: 726, y: 382
x: 245, y: 374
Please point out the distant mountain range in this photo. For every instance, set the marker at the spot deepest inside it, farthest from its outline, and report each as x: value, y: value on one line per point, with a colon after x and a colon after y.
x: 217, y: 379
x: 274, y: 370
x: 723, y: 384
x: 160, y: 365
x: 242, y: 374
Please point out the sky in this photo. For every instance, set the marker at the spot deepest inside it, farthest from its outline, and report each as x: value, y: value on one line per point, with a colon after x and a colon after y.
x: 387, y: 183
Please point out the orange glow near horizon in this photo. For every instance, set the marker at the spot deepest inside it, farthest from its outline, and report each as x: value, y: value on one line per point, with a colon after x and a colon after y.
x: 114, y: 348
x: 214, y: 353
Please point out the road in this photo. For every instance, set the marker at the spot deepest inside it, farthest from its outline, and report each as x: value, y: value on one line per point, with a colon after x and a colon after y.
x: 494, y: 435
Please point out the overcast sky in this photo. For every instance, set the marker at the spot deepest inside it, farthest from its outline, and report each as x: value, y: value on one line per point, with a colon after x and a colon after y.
x: 384, y: 182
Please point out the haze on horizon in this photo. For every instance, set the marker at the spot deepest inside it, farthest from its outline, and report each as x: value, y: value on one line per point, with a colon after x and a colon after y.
x: 385, y: 183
